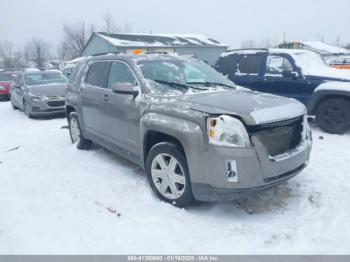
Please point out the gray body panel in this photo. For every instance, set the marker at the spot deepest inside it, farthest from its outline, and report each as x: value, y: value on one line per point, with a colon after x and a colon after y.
x: 52, y: 100
x: 125, y: 122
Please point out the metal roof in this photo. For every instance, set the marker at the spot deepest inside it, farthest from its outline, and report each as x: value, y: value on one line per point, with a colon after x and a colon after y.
x: 159, y: 40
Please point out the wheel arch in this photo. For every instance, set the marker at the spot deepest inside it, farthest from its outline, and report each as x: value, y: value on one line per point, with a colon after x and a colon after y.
x: 320, y: 96
x: 69, y: 109
x: 156, y: 128
x: 153, y: 137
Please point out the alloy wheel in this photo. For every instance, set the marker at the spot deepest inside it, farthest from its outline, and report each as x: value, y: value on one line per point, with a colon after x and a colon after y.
x: 168, y: 176
x: 334, y: 116
x: 74, y: 130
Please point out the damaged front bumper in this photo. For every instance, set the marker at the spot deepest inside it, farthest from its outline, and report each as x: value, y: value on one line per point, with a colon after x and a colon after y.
x: 226, y: 173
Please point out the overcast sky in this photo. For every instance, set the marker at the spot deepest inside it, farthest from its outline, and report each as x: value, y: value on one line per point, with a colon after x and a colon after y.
x: 228, y: 21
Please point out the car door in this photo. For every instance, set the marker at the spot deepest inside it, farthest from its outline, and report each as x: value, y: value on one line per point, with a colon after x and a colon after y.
x: 91, y: 90
x: 248, y: 70
x: 282, y: 77
x: 121, y: 110
x: 13, y: 90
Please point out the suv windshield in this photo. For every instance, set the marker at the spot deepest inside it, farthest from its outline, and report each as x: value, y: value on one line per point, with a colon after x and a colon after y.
x: 166, y: 76
x: 45, y: 79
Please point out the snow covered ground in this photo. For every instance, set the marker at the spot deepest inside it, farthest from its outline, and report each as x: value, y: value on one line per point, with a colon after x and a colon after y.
x: 55, y: 199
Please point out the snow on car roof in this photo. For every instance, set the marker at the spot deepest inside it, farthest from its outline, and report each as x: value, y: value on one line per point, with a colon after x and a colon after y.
x: 76, y: 60
x: 159, y: 40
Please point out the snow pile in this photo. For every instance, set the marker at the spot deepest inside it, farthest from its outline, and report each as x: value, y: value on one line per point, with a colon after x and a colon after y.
x: 56, y: 199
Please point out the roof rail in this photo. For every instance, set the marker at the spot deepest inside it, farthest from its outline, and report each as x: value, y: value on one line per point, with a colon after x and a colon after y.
x: 155, y: 52
x: 242, y: 49
x: 107, y: 53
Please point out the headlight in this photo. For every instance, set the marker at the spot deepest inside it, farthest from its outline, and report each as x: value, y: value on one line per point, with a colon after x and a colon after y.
x: 227, y: 131
x: 307, y: 134
x: 2, y: 88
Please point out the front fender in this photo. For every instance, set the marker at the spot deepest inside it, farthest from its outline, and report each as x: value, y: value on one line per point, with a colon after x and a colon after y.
x: 190, y: 134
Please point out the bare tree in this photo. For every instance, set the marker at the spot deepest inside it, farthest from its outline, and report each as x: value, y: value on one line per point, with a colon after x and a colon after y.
x: 37, y: 51
x: 268, y: 43
x: 75, y: 37
x: 6, y: 49
x: 62, y: 54
x: 347, y: 46
x: 109, y: 25
x: 10, y: 58
x: 127, y: 28
x: 249, y: 44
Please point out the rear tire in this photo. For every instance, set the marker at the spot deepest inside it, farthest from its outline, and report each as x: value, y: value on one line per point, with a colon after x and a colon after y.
x: 168, y: 175
x: 75, y: 133
x: 333, y: 115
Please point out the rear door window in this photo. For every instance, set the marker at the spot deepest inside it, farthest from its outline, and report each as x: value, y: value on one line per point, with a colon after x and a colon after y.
x: 226, y: 64
x: 249, y: 64
x: 275, y: 65
x: 97, y: 74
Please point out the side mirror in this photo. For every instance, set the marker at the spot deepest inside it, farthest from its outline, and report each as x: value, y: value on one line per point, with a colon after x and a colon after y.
x: 125, y: 89
x: 290, y: 74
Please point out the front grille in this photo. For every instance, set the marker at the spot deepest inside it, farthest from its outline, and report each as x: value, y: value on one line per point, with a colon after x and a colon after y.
x: 56, y: 103
x: 279, y: 137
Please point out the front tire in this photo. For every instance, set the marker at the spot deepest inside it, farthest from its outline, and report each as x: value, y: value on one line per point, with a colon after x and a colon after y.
x: 75, y: 133
x: 27, y: 108
x: 333, y: 115
x: 168, y: 175
x: 14, y: 107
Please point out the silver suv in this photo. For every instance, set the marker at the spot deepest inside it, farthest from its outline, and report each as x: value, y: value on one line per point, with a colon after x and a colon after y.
x: 196, y: 134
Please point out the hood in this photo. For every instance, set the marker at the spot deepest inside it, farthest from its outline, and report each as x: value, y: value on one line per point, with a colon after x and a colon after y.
x: 253, y: 107
x: 329, y: 73
x: 48, y: 90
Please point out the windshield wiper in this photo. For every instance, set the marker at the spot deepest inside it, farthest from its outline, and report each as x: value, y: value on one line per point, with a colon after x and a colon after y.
x: 177, y: 84
x: 208, y: 83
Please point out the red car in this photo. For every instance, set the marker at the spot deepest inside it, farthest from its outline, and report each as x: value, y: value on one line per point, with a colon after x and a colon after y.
x: 6, y: 79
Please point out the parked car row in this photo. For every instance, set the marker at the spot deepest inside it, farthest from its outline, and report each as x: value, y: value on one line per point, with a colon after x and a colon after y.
x: 196, y: 133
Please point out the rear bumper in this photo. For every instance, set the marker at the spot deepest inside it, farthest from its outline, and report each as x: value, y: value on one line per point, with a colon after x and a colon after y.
x: 5, y: 96
x: 4, y: 92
